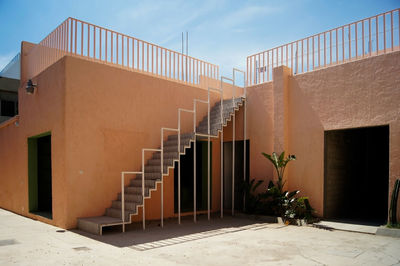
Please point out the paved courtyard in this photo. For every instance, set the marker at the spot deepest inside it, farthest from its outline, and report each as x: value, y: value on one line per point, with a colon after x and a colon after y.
x: 220, y: 242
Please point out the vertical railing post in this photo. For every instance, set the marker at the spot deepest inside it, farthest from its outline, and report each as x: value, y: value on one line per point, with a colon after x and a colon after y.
x: 325, y: 49
x: 143, y: 56
x: 370, y: 37
x: 143, y: 194
x: 355, y: 37
x: 337, y: 48
x: 330, y: 47
x: 319, y: 51
x: 123, y: 201
x: 222, y: 148
x: 162, y: 177
x: 268, y: 66
x: 363, y: 38
x: 244, y: 137
x: 194, y: 163
x: 233, y: 142
x: 208, y: 156
x: 179, y: 165
x: 302, y: 56
x: 384, y: 33
x: 343, y: 51
x: 349, y: 29
x: 75, y: 36
x: 377, y: 35
x: 291, y: 59
x: 391, y: 30
x: 308, y: 55
x: 313, y: 53
x: 264, y: 68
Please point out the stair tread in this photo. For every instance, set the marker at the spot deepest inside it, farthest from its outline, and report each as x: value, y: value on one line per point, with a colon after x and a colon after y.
x: 101, y: 220
x: 133, y: 191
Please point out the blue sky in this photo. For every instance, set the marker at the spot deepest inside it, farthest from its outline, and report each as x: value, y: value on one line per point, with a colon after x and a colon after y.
x: 220, y: 31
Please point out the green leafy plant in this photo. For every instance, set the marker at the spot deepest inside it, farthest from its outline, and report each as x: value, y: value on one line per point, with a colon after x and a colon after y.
x: 303, y: 209
x: 284, y: 203
x: 278, y: 202
x: 393, y: 203
x: 280, y: 163
x: 252, y: 200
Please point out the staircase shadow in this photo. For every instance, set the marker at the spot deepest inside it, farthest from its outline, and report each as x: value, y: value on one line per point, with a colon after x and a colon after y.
x: 155, y: 237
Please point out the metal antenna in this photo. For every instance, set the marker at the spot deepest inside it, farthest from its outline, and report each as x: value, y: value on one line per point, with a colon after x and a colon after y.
x: 182, y: 42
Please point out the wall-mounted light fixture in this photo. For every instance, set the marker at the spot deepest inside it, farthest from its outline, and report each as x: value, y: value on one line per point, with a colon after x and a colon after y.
x: 30, y: 87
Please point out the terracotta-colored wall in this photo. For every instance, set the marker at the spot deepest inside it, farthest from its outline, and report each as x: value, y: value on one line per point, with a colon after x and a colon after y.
x: 356, y: 94
x: 260, y: 130
x: 100, y: 118
x: 111, y: 114
x: 38, y: 113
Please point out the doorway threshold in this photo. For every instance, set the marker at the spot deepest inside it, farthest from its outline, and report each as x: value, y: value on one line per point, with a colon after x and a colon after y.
x: 44, y: 214
x: 349, y: 227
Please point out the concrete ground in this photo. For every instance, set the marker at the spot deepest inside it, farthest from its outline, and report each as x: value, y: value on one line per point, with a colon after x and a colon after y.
x: 220, y: 242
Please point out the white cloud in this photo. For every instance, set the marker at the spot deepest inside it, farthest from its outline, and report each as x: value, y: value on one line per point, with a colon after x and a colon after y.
x: 247, y: 14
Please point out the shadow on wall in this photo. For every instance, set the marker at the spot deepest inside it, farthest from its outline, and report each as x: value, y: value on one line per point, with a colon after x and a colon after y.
x: 306, y: 140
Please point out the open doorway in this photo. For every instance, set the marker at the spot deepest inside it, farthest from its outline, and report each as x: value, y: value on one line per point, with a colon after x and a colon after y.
x: 39, y: 174
x: 357, y: 175
x: 187, y: 178
x: 239, y: 159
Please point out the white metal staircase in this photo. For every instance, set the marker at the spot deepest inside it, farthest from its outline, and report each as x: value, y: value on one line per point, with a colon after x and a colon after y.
x: 132, y: 197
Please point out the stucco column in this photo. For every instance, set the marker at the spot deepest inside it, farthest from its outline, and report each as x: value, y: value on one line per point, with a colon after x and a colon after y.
x: 281, y: 76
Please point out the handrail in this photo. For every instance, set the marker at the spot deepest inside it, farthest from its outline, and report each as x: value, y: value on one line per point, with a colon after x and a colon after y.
x: 82, y: 39
x: 10, y: 121
x: 123, y: 196
x: 364, y: 38
x: 195, y: 134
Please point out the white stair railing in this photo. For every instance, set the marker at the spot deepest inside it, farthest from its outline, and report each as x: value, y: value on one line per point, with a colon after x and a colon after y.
x: 194, y: 140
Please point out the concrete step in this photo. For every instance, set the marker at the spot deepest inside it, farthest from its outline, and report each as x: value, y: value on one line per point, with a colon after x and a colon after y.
x: 213, y: 127
x: 94, y: 225
x: 174, y: 148
x: 183, y: 136
x: 148, y: 175
x: 167, y: 155
x: 116, y: 213
x: 136, y: 190
x: 174, y: 142
x: 129, y: 206
x: 149, y: 183
x: 215, y: 121
x: 167, y: 162
x: 135, y: 198
x: 155, y: 169
x: 133, y: 192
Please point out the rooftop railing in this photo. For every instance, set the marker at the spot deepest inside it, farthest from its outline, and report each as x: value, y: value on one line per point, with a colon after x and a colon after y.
x: 78, y: 38
x: 367, y: 37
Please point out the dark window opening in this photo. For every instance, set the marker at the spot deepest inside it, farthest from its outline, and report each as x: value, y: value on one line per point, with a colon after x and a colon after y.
x: 8, y: 108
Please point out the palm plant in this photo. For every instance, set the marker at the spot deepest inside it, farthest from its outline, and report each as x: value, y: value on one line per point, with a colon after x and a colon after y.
x: 279, y: 163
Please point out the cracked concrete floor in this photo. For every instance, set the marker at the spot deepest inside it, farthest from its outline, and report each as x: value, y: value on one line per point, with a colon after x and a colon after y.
x: 220, y: 242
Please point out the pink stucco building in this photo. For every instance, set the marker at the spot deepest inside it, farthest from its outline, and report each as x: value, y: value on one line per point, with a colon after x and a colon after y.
x: 117, y: 130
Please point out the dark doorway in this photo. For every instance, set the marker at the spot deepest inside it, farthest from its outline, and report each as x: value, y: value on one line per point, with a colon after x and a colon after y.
x: 40, y: 178
x: 239, y: 159
x: 357, y: 175
x: 187, y: 178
